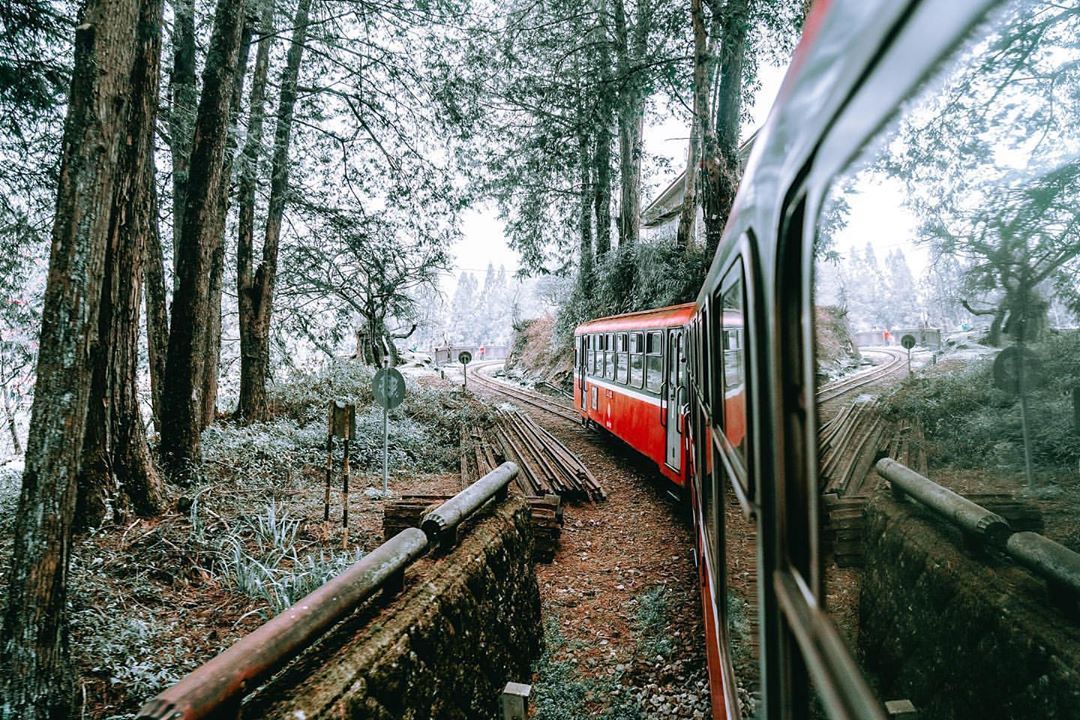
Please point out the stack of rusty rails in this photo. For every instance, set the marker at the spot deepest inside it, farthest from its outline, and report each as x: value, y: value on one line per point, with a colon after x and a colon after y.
x: 547, y: 465
x: 545, y: 512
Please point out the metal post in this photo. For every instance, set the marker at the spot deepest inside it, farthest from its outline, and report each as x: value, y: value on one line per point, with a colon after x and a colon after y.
x: 515, y: 701
x: 465, y: 369
x: 909, y: 362
x: 385, y: 435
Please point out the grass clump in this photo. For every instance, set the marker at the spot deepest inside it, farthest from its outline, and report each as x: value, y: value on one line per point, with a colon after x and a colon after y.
x: 651, y: 622
x: 561, y: 692
x: 971, y: 424
x: 276, y: 571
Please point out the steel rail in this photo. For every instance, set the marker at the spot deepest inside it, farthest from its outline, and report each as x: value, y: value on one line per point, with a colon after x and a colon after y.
x: 833, y: 390
x: 529, y: 398
x: 216, y: 688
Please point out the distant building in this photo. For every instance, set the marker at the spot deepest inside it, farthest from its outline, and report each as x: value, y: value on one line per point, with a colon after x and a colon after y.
x: 660, y: 218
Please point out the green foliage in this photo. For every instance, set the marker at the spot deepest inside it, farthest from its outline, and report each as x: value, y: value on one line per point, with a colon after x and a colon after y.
x: 562, y: 693
x: 969, y: 423
x: 275, y: 571
x: 632, y: 278
x: 651, y: 623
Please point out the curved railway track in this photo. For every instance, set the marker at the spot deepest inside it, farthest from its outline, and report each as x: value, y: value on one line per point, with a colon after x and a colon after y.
x: 519, y: 394
x: 895, y: 362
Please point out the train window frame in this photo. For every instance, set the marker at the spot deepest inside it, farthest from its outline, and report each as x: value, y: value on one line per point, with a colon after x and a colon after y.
x: 637, y: 352
x: 622, y: 367
x: 736, y: 465
x: 657, y: 355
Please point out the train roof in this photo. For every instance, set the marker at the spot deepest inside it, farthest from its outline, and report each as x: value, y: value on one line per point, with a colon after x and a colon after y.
x: 671, y: 316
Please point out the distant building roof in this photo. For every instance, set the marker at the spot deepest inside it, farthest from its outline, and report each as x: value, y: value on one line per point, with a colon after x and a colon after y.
x: 666, y: 206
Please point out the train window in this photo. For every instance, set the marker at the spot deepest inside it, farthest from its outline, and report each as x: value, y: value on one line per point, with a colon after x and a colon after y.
x: 609, y: 356
x: 654, y: 361
x: 732, y: 357
x: 946, y: 308
x: 637, y: 359
x: 623, y: 366
x: 703, y: 355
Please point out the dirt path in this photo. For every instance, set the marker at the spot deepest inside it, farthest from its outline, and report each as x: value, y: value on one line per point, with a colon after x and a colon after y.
x: 620, y: 601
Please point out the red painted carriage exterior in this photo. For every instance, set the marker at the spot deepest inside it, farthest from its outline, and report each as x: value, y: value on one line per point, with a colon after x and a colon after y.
x: 633, y: 412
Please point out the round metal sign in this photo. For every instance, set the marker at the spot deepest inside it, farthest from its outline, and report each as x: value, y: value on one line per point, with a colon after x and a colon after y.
x: 908, y: 342
x: 389, y: 388
x: 1008, y: 364
x: 464, y: 357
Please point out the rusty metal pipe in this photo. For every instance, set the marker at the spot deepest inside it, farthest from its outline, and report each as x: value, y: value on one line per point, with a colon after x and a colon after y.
x: 226, y: 677
x: 449, y: 515
x: 971, y: 518
x: 1044, y: 557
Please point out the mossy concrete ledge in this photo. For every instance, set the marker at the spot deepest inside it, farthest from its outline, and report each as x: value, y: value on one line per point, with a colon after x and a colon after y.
x: 963, y: 637
x: 466, y: 623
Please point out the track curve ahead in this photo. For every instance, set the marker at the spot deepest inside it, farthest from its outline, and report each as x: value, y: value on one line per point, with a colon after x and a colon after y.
x: 528, y: 397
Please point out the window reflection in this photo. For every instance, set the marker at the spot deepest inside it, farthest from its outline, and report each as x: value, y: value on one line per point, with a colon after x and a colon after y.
x: 957, y: 231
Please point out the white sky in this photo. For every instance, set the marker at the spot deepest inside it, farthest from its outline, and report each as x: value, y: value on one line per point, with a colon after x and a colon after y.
x: 482, y: 232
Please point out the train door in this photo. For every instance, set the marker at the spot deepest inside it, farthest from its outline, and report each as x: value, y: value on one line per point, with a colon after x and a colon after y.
x: 672, y: 398
x: 582, y: 366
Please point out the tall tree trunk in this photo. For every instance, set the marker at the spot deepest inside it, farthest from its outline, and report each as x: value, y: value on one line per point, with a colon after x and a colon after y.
x: 702, y: 83
x: 36, y: 682
x: 184, y: 97
x: 182, y: 397
x: 252, y: 402
x: 13, y: 427
x: 117, y: 471
x: 585, y: 244
x: 722, y: 147
x: 602, y: 189
x: 212, y: 338
x: 157, y: 309
x: 631, y: 118
x: 602, y: 109
x: 262, y: 290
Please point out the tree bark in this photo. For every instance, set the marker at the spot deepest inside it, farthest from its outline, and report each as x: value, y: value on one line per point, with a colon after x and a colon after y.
x: 602, y: 109
x: 631, y: 118
x: 117, y: 471
x: 585, y: 244
x: 182, y: 397
x: 212, y: 338
x: 252, y: 403
x: 157, y: 309
x: 721, y: 150
x: 183, y: 100
x: 702, y: 83
x: 37, y: 678
x: 256, y: 366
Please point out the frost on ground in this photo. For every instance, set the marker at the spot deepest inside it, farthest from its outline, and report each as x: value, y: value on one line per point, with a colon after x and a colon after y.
x: 151, y: 599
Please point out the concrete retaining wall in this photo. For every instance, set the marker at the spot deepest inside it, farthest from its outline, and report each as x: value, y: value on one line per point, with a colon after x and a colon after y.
x: 465, y: 624
x: 959, y: 636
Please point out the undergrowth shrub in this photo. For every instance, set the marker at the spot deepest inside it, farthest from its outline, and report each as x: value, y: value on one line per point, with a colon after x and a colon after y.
x: 635, y: 277
x: 969, y: 423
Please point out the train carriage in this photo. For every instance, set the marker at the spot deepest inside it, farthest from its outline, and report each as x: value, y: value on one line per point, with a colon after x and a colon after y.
x: 721, y: 392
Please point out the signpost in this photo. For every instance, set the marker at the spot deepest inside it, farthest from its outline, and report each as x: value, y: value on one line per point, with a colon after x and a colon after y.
x: 1016, y: 370
x: 465, y: 357
x: 908, y: 342
x: 342, y: 424
x: 388, y: 386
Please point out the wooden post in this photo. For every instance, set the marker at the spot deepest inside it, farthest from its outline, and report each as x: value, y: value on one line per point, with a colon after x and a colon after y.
x: 900, y: 710
x: 345, y: 491
x: 329, y: 465
x: 515, y: 701
x: 1076, y: 410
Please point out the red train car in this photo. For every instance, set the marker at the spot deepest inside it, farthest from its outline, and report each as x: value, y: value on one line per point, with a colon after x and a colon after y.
x: 628, y: 372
